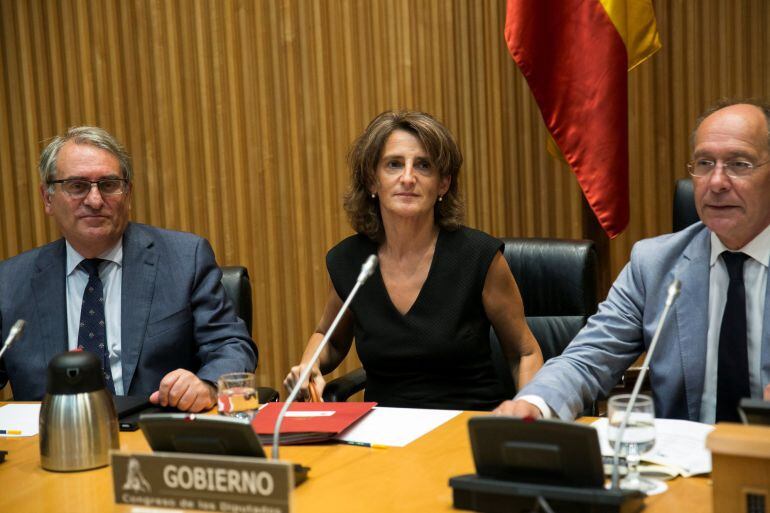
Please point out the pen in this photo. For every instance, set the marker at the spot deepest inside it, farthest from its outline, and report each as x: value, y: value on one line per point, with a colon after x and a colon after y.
x: 313, y: 392
x: 10, y: 431
x: 363, y: 444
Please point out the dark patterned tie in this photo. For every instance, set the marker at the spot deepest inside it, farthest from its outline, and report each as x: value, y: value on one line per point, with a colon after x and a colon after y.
x: 733, y: 365
x: 92, y: 335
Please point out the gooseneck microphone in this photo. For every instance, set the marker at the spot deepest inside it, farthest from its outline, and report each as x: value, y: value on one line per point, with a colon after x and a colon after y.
x: 673, y: 293
x: 366, y: 270
x: 13, y: 335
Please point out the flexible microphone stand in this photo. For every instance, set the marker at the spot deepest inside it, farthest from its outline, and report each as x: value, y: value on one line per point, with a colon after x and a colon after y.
x: 366, y: 270
x: 673, y: 292
x: 13, y: 335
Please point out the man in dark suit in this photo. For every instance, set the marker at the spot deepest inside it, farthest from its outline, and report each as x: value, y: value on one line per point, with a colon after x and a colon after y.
x: 147, y: 301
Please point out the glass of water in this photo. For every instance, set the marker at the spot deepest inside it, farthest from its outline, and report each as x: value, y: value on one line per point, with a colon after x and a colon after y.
x: 638, y: 437
x: 237, y: 394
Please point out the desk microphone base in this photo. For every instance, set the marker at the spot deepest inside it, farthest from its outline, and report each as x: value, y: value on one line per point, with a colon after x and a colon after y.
x: 495, y: 496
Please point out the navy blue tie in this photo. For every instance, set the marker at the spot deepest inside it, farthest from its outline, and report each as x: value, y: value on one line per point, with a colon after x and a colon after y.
x: 92, y: 335
x: 733, y: 364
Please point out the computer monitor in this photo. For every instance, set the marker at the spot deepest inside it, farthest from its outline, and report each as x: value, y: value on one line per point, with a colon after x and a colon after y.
x: 536, y: 451
x: 754, y: 411
x: 206, y: 434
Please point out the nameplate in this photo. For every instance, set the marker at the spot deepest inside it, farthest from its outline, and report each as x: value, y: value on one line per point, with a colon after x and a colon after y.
x: 205, y: 482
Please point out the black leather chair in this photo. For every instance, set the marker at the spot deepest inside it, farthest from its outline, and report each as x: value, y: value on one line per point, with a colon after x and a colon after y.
x: 558, y: 284
x: 684, y: 213
x: 237, y: 285
x: 235, y: 280
x: 557, y: 280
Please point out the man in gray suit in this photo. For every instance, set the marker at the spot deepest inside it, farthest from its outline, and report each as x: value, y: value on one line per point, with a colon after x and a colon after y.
x: 715, y: 344
x: 148, y: 302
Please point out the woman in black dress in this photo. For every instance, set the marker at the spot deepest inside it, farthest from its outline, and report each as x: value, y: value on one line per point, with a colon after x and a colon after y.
x: 421, y: 322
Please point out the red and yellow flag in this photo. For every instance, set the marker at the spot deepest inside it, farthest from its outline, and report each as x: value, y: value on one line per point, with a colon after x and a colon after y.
x: 575, y: 55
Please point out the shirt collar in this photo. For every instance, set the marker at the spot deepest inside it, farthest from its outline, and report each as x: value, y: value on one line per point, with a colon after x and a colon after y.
x: 758, y: 248
x: 114, y: 254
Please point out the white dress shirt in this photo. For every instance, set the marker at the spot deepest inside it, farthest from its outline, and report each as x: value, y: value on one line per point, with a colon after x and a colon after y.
x: 111, y: 274
x: 755, y: 285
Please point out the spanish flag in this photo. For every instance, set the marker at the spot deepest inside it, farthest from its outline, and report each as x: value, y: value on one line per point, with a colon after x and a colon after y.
x: 575, y: 55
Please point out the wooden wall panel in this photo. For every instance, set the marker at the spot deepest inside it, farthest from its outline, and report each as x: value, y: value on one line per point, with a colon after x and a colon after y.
x: 711, y: 49
x: 238, y: 114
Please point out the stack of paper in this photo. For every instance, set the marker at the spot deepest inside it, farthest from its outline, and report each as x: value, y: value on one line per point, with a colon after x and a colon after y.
x: 680, y: 448
x: 19, y: 419
x: 394, y: 427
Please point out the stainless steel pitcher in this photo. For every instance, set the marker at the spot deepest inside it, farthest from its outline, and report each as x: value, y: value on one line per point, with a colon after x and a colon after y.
x: 78, y: 423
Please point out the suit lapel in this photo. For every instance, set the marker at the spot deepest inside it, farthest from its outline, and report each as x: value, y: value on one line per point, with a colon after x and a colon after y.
x: 692, y: 318
x: 48, y: 286
x: 138, y: 285
x: 765, y: 341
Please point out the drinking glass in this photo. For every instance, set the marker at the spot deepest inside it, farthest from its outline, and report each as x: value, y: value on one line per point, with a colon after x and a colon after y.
x: 638, y: 438
x: 237, y: 394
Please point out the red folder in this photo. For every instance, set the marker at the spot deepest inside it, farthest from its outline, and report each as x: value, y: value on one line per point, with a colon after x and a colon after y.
x: 308, y: 422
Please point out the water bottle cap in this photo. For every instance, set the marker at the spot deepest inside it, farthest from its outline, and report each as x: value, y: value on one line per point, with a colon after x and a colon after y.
x: 74, y: 372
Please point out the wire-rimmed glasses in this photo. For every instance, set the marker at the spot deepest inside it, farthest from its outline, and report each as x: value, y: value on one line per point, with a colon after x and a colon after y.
x: 80, y: 188
x: 735, y: 168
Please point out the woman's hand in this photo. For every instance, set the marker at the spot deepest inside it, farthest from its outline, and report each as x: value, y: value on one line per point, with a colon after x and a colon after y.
x: 331, y: 355
x: 304, y: 394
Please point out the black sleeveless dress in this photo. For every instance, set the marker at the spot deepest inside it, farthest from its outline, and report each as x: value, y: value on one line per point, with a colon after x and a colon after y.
x: 437, y: 354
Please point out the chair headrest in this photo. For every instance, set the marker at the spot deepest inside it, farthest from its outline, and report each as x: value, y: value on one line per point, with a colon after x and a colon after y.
x: 555, y: 276
x: 684, y: 205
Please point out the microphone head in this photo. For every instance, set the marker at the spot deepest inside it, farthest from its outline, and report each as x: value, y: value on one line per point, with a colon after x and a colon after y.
x: 368, y: 268
x: 673, y: 291
x: 18, y: 328
x: 674, y: 288
x: 13, y: 335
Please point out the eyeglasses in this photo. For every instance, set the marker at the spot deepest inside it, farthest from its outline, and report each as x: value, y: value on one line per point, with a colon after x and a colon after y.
x: 79, y: 188
x: 733, y: 168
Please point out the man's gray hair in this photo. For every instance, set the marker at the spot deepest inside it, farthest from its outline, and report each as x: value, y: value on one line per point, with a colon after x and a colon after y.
x: 90, y: 135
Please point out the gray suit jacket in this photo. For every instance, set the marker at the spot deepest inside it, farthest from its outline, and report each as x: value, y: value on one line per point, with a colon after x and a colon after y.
x: 174, y: 313
x: 624, y: 325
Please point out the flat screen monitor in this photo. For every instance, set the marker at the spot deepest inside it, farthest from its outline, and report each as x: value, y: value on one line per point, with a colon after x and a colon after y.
x: 203, y: 434
x: 754, y: 411
x: 206, y: 434
x: 536, y: 451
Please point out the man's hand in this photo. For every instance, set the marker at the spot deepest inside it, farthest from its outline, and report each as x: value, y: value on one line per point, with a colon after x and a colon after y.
x: 518, y: 408
x: 185, y: 391
x: 767, y: 393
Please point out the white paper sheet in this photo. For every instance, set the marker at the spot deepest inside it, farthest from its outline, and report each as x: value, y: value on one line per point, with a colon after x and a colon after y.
x: 679, y: 444
x: 394, y: 427
x: 20, y: 417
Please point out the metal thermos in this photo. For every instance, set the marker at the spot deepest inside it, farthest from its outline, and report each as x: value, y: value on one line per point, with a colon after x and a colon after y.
x: 78, y: 423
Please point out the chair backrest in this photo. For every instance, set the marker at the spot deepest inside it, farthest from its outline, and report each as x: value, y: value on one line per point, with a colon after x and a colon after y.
x: 684, y: 213
x: 235, y: 280
x: 558, y: 283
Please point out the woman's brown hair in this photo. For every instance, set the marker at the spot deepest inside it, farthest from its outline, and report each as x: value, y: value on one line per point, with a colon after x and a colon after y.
x: 363, y: 210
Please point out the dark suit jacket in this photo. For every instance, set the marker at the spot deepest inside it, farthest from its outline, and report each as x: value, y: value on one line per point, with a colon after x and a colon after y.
x: 174, y: 313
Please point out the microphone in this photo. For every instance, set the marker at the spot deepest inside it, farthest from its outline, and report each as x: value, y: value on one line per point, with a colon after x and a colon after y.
x: 16, y: 330
x: 366, y: 270
x: 673, y: 293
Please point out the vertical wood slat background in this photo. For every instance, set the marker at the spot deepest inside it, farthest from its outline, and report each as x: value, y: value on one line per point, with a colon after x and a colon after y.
x: 238, y: 115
